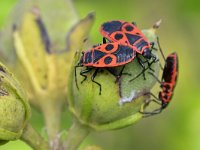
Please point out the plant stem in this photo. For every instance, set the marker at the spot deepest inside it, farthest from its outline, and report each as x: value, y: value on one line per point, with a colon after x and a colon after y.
x: 52, y: 112
x: 33, y: 139
x: 76, y: 135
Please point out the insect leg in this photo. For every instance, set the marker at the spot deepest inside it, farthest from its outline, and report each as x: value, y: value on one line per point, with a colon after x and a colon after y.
x: 149, y: 66
x: 143, y: 66
x: 148, y: 114
x: 155, y: 59
x: 154, y: 112
x: 143, y: 70
x: 75, y: 73
x: 82, y: 73
x: 152, y: 46
x: 137, y: 75
x: 104, y: 40
x: 92, y: 78
x: 118, y: 75
x: 123, y: 73
x: 155, y: 78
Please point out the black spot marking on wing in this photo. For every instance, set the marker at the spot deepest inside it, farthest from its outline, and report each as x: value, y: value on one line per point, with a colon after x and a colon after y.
x: 132, y: 38
x: 112, y: 26
x: 98, y: 55
x: 118, y: 36
x: 109, y: 47
x: 129, y: 28
x: 107, y: 60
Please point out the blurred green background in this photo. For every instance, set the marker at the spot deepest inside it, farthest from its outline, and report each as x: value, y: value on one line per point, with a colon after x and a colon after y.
x: 178, y: 127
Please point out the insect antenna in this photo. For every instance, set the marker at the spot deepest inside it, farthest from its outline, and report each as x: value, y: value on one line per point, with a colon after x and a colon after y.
x: 155, y: 77
x: 160, y: 49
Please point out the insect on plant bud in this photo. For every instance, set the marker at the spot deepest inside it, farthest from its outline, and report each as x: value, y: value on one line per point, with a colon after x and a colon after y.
x: 113, y: 102
x: 14, y: 107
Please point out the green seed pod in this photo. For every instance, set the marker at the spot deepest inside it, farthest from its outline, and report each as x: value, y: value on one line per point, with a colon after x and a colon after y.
x: 119, y: 103
x: 14, y: 107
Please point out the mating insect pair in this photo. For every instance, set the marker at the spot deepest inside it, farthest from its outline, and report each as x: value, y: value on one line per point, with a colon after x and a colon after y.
x: 167, y: 84
x: 125, y: 42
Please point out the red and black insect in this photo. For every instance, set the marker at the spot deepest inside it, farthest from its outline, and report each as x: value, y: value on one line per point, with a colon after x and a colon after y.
x: 126, y: 33
x: 126, y: 40
x: 167, y: 84
x: 106, y: 55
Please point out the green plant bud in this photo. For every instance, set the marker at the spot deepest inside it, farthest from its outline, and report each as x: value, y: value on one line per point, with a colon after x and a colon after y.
x: 119, y: 103
x: 14, y: 107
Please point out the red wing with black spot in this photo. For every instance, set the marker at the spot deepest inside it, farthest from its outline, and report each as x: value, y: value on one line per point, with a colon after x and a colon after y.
x: 109, y: 55
x: 125, y: 33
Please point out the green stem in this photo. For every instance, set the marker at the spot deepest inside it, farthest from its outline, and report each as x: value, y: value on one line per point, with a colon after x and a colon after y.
x: 33, y: 139
x: 52, y: 112
x: 76, y: 135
